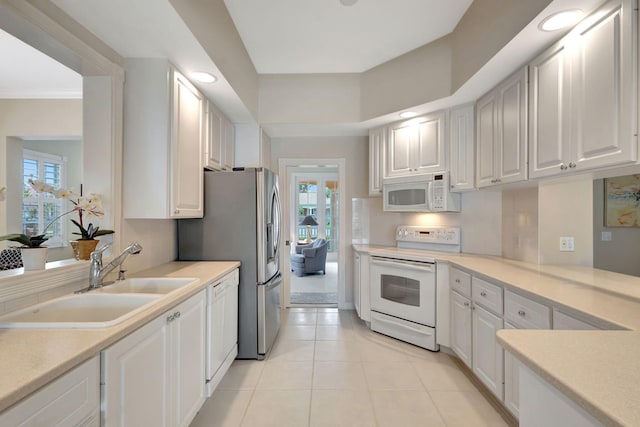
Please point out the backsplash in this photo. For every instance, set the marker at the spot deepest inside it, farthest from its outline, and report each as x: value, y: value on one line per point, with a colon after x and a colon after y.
x: 520, y: 224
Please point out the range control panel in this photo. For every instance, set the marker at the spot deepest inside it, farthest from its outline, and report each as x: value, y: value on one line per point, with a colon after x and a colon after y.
x: 432, y: 235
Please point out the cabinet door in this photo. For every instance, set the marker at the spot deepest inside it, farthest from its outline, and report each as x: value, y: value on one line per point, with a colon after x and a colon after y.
x: 486, y: 139
x: 71, y: 400
x: 461, y: 327
x: 512, y: 129
x: 399, y: 150
x: 429, y: 146
x: 488, y: 364
x: 215, y: 136
x: 365, y: 288
x: 376, y: 162
x: 136, y: 378
x: 229, y: 145
x: 356, y: 282
x: 231, y: 315
x: 461, y: 141
x: 216, y: 328
x: 188, y: 376
x: 186, y: 161
x: 511, y: 380
x: 549, y: 129
x: 603, y: 91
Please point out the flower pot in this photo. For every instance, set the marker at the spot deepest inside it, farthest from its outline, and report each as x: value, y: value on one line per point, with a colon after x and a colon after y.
x: 82, y: 248
x: 33, y: 258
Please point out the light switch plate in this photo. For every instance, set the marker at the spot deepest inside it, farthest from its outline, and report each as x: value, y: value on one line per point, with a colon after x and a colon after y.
x: 606, y: 236
x: 567, y: 244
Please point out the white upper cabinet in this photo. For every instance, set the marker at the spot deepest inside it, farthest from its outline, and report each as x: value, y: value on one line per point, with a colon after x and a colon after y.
x: 501, y: 133
x: 163, y: 142
x: 220, y: 140
x: 416, y: 146
x: 583, y: 98
x: 461, y: 142
x: 377, y: 139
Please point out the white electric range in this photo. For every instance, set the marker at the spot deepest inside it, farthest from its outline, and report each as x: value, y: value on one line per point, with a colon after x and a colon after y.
x: 403, y: 284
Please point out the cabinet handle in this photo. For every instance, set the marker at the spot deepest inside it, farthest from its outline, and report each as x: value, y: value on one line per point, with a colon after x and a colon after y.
x: 170, y: 318
x: 466, y: 304
x: 483, y: 294
x: 176, y: 314
x: 177, y: 211
x: 521, y: 313
x: 572, y: 165
x: 457, y: 280
x: 563, y: 167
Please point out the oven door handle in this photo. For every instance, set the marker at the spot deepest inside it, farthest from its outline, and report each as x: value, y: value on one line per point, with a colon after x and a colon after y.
x: 403, y: 264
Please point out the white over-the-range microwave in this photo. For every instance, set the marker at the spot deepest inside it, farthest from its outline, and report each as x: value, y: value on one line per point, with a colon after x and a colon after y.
x: 420, y: 193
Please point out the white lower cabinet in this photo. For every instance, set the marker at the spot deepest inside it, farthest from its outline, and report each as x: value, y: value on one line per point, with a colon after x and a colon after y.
x: 222, y: 328
x: 511, y: 380
x: 155, y: 376
x: 71, y: 400
x: 488, y: 363
x: 461, y: 327
x: 361, y: 286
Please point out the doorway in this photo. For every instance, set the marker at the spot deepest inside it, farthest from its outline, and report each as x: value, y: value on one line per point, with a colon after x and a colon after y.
x: 312, y: 201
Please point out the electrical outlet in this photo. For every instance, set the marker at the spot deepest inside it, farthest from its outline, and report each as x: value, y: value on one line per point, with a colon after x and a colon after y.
x: 606, y: 236
x: 567, y: 244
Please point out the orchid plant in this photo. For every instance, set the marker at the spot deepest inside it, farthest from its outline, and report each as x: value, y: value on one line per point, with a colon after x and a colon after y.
x: 89, y: 206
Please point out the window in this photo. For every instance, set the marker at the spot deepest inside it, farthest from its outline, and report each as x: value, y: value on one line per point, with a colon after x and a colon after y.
x: 39, y: 209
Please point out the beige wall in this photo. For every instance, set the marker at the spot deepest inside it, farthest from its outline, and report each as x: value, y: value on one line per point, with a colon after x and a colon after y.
x: 310, y: 98
x: 520, y: 224
x: 566, y: 209
x: 34, y: 118
x: 621, y: 253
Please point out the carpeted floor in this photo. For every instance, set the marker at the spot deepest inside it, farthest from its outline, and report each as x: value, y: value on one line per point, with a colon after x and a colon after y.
x: 314, y: 298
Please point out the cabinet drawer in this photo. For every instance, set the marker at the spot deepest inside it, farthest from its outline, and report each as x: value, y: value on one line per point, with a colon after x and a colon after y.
x: 460, y: 282
x: 525, y: 313
x: 486, y: 294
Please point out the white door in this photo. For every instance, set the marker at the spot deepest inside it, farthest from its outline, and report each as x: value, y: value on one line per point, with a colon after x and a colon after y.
x: 512, y: 129
x: 488, y: 362
x: 429, y: 145
x: 486, y: 138
x: 461, y: 148
x: 461, y: 327
x: 511, y: 380
x: 400, y: 150
x: 376, y: 160
x: 188, y: 335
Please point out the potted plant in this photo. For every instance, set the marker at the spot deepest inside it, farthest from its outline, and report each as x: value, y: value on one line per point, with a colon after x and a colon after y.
x: 89, y: 205
x: 34, y: 256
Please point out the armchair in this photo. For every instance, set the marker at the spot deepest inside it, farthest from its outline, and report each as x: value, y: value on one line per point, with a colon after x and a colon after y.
x: 310, y: 258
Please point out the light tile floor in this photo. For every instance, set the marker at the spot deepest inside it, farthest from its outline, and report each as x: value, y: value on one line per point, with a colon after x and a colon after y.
x: 328, y: 369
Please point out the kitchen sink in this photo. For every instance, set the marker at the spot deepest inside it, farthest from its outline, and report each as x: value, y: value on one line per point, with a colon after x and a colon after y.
x: 146, y: 285
x: 89, y: 310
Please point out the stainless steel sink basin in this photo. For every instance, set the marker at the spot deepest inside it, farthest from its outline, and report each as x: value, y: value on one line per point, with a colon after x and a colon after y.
x: 90, y: 310
x: 146, y: 285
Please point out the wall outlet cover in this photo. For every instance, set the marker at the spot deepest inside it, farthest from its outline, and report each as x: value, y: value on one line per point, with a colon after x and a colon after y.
x: 567, y: 244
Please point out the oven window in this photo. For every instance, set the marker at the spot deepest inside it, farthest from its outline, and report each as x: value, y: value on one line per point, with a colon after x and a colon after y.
x: 400, y: 289
x: 410, y: 197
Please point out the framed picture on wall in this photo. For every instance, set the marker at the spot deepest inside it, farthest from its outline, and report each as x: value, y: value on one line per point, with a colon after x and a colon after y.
x: 622, y: 201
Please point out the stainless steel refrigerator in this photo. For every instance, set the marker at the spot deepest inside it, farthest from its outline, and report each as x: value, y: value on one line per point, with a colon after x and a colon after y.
x: 242, y: 222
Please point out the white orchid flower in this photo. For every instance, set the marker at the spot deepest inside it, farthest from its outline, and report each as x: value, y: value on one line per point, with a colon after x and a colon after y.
x: 41, y: 186
x: 63, y: 193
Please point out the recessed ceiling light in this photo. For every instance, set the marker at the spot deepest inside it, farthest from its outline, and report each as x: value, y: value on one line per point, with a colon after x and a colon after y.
x: 408, y: 114
x: 348, y: 2
x: 203, y: 77
x: 559, y: 20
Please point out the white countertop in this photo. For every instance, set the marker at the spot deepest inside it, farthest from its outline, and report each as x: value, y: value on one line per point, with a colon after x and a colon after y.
x: 31, y: 358
x: 599, y: 370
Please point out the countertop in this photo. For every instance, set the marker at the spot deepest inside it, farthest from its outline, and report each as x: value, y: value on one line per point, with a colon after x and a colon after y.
x: 599, y: 370
x: 31, y: 358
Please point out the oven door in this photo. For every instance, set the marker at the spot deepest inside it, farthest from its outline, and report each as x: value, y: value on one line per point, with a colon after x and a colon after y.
x: 404, y: 289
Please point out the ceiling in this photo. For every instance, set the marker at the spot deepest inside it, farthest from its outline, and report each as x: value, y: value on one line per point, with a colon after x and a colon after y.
x: 26, y: 72
x: 324, y: 36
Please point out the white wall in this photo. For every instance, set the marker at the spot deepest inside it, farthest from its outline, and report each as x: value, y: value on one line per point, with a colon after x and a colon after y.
x: 566, y: 210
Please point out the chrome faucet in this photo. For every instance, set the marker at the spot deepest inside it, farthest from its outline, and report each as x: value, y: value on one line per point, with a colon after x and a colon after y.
x: 98, y: 273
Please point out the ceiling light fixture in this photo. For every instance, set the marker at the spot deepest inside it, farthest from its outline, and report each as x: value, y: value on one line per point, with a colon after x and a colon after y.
x: 203, y: 77
x: 559, y: 20
x: 408, y: 114
x: 348, y: 2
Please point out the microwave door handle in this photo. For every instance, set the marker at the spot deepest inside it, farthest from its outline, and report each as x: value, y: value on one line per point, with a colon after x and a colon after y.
x: 405, y: 264
x: 429, y: 194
